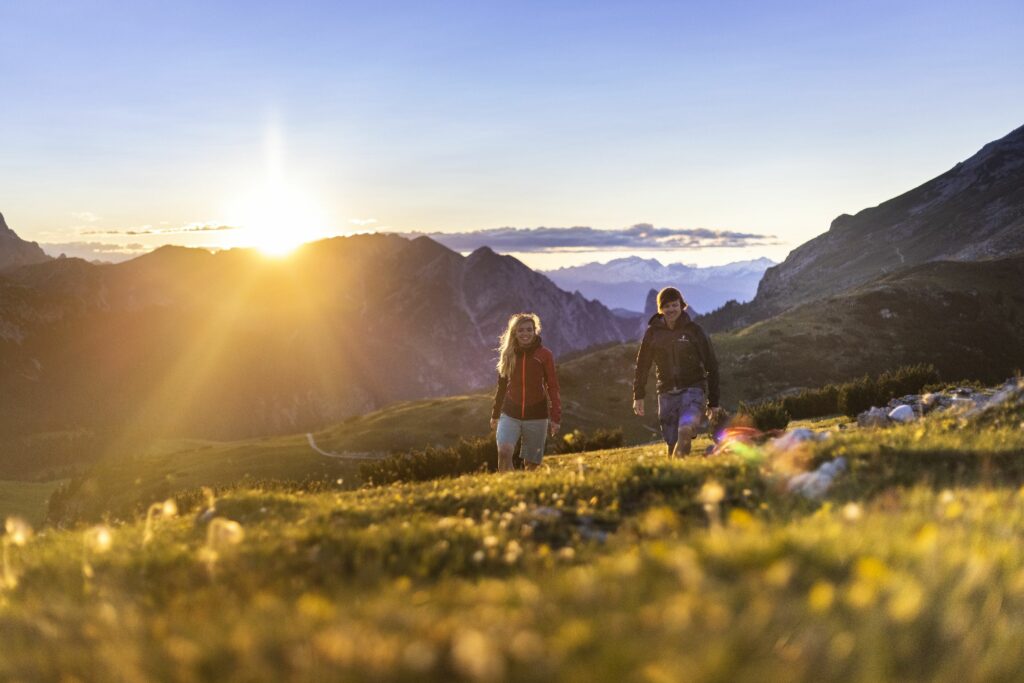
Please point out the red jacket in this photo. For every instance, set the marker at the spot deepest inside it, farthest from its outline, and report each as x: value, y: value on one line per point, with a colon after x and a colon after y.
x: 525, y: 394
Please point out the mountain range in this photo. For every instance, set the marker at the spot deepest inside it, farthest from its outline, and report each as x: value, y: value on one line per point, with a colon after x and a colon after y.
x: 232, y: 343
x: 624, y: 282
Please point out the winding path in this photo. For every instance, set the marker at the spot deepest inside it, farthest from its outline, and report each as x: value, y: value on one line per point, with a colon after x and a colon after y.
x: 338, y: 456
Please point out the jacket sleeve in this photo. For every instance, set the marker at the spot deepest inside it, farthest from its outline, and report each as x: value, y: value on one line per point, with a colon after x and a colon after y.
x: 711, y: 365
x: 551, y: 381
x: 644, y: 357
x: 499, y: 397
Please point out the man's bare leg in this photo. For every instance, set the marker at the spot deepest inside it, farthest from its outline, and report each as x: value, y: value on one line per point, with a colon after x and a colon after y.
x: 683, y: 443
x: 505, y: 458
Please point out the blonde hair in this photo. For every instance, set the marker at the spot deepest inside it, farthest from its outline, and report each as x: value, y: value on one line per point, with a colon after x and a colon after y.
x: 507, y: 348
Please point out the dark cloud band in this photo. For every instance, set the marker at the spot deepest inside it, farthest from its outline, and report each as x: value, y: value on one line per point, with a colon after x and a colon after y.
x: 163, y: 231
x: 640, y: 236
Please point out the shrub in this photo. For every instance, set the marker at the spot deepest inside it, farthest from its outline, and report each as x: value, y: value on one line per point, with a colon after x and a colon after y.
x: 860, y: 395
x: 813, y: 403
x: 857, y: 396
x: 766, y: 415
x: 909, y: 379
x: 432, y: 463
x: 577, y: 441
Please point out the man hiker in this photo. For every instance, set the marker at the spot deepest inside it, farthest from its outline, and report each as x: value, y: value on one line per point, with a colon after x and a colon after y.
x: 686, y: 368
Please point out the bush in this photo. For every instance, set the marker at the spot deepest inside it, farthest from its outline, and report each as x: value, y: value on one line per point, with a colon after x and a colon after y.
x: 860, y: 395
x: 857, y: 396
x: 813, y: 403
x: 909, y: 379
x: 433, y: 463
x: 473, y: 456
x: 766, y: 415
x: 579, y: 442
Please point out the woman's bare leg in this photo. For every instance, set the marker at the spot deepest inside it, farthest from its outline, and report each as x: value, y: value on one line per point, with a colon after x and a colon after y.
x: 505, y: 458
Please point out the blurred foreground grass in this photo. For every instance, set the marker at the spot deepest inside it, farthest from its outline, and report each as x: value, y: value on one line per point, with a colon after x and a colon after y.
x: 614, y: 566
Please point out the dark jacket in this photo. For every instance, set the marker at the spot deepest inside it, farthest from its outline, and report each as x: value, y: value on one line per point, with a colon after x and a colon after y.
x: 525, y: 394
x: 683, y: 357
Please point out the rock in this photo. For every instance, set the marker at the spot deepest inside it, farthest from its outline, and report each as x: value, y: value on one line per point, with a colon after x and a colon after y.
x: 1010, y: 393
x: 873, y: 417
x: 903, y: 413
x: 815, y: 484
x: 795, y: 437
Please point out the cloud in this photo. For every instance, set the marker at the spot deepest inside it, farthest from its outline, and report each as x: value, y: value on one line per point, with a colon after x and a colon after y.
x: 85, y: 216
x: 362, y: 221
x: 95, y: 251
x: 640, y: 236
x: 150, y: 230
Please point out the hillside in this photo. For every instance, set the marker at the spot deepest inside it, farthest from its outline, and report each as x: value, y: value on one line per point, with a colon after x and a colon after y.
x: 962, y: 317
x: 611, y: 566
x: 230, y: 345
x: 966, y: 318
x: 973, y: 212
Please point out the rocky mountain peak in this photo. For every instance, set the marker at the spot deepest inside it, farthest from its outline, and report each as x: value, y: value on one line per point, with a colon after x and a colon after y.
x: 974, y: 211
x: 15, y: 251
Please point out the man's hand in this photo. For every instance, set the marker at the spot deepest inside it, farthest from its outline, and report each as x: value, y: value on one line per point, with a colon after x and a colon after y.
x: 638, y: 407
x: 714, y: 414
x: 494, y: 423
x: 553, y: 428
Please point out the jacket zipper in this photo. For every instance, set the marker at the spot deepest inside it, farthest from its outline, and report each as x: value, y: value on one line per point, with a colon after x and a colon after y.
x: 522, y: 412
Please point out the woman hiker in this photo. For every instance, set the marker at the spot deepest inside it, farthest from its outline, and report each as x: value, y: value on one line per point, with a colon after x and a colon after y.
x: 526, y: 381
x: 687, y: 372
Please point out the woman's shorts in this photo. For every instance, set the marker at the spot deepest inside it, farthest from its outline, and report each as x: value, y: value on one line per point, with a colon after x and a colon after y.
x: 685, y: 408
x: 533, y: 432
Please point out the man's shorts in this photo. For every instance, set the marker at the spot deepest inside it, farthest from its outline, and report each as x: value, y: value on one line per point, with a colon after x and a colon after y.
x: 684, y: 408
x: 533, y: 432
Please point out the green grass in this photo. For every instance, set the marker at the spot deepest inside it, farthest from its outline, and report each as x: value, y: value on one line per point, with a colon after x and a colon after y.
x: 123, y: 483
x: 614, y: 566
x: 26, y: 499
x: 122, y: 486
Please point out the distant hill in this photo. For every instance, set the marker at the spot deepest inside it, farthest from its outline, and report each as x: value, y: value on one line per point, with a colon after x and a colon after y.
x: 15, y: 251
x: 233, y: 344
x: 623, y: 283
x: 973, y: 212
x: 967, y: 318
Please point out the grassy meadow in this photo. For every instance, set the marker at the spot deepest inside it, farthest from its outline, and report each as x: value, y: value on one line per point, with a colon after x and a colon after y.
x: 616, y: 565
x: 26, y: 499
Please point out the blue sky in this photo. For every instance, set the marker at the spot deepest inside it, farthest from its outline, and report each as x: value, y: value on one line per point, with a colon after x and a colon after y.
x: 758, y: 118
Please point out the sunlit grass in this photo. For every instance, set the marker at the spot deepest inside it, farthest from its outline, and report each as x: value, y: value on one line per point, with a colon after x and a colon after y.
x: 616, y: 565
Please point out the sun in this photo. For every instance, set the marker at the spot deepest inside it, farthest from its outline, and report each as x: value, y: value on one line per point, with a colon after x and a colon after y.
x: 276, y: 219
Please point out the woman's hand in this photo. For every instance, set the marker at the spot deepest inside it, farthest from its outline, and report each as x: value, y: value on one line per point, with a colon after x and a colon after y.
x: 553, y: 428
x: 638, y: 407
x: 494, y: 423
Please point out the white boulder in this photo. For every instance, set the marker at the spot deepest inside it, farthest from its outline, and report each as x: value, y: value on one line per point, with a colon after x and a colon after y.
x: 902, y: 413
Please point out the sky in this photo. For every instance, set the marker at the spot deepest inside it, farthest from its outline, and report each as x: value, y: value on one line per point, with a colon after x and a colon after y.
x: 697, y: 132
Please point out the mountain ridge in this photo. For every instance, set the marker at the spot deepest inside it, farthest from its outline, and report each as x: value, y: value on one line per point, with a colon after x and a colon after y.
x: 15, y: 251
x: 623, y: 282
x: 234, y: 344
x: 972, y: 212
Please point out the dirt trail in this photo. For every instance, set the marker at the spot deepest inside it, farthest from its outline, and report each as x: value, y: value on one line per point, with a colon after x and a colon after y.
x: 339, y: 456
